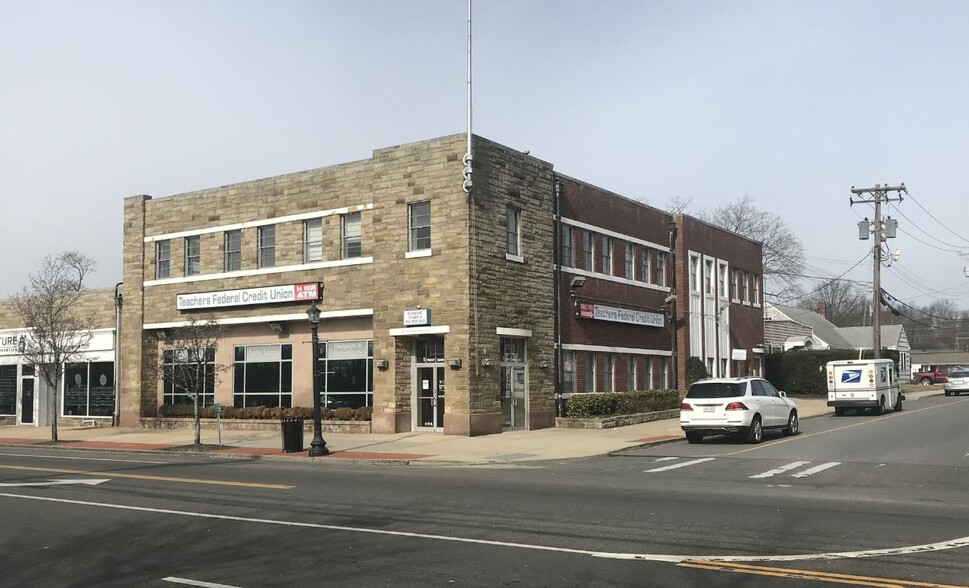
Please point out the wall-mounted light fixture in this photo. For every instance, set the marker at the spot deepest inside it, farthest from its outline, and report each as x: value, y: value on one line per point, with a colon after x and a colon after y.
x: 577, y: 282
x: 382, y: 364
x: 487, y: 362
x: 454, y: 362
x: 543, y: 364
x: 276, y: 327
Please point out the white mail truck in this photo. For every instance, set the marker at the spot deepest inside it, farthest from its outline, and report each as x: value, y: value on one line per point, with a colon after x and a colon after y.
x: 863, y: 384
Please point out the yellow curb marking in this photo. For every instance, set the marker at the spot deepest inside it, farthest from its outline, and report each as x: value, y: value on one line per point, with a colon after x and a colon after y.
x: 153, y: 478
x: 809, y: 575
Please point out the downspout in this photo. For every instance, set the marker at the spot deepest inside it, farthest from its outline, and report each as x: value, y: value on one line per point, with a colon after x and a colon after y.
x: 118, y: 302
x: 556, y: 242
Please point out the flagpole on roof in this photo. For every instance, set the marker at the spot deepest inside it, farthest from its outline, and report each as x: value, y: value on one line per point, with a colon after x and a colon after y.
x: 467, y: 155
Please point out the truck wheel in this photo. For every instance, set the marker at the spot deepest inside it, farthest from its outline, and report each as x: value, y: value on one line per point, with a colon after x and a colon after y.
x: 880, y: 409
x: 898, y: 404
x: 926, y: 381
x: 839, y: 410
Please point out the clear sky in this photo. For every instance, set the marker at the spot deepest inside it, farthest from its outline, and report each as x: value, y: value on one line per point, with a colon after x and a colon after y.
x: 791, y: 102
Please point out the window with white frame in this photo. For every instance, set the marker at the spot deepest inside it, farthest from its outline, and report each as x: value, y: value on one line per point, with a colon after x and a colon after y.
x: 631, y: 373
x: 648, y: 372
x: 513, y: 219
x: 590, y: 372
x: 263, y: 376
x: 193, y: 255
x: 694, y: 273
x: 588, y: 248
x: 630, y: 261
x: 568, y: 234
x: 708, y: 278
x: 644, y: 269
x: 163, y: 259
x: 606, y: 255
x: 186, y: 372
x: 350, y: 236
x: 312, y: 240
x: 660, y: 279
x: 745, y: 278
x: 756, y: 280
x: 419, y: 221
x: 610, y: 375
x: 735, y: 283
x: 568, y: 372
x: 665, y: 371
x: 267, y: 246
x: 723, y: 280
x: 233, y: 250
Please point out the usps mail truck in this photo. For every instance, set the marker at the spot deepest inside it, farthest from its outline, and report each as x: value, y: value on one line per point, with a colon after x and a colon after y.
x: 863, y: 384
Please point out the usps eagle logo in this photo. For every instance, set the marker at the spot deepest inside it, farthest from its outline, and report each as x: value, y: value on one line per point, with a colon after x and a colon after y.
x: 851, y: 376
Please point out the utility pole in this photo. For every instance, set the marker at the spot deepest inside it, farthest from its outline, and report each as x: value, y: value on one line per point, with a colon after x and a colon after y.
x: 881, y: 230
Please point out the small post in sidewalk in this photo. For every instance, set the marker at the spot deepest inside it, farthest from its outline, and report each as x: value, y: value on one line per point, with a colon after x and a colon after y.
x: 217, y: 409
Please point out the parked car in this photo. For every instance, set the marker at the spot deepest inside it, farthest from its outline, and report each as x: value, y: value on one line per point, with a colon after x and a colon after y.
x: 736, y: 406
x: 957, y: 382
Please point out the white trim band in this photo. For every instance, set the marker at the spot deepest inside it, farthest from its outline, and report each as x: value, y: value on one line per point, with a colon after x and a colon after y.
x: 273, y: 318
x: 410, y: 331
x: 506, y: 332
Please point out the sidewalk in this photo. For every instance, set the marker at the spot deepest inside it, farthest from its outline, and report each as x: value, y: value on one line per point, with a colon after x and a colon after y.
x: 409, y: 448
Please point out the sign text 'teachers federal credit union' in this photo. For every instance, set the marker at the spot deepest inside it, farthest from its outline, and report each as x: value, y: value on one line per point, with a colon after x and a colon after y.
x: 249, y: 296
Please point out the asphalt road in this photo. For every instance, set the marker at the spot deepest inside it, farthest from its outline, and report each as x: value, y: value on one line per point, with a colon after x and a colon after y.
x: 853, y: 500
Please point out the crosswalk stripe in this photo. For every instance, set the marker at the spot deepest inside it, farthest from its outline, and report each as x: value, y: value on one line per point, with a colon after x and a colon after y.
x: 781, y: 469
x: 816, y: 469
x: 666, y: 458
x: 679, y: 465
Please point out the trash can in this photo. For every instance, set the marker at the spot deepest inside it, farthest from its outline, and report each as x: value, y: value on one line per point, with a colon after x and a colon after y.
x: 292, y: 428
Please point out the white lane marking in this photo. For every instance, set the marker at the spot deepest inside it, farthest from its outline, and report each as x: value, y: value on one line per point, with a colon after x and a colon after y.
x: 34, y: 455
x: 88, y: 482
x: 940, y: 546
x: 175, y: 580
x: 665, y: 459
x: 816, y: 469
x: 781, y: 469
x: 680, y: 465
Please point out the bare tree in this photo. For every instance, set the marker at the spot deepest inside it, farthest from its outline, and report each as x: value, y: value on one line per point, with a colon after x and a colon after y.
x: 187, y: 365
x: 57, y: 330
x: 840, y: 301
x: 678, y: 204
x: 783, y: 252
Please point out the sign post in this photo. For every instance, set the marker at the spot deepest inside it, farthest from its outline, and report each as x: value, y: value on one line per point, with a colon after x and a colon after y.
x: 217, y: 409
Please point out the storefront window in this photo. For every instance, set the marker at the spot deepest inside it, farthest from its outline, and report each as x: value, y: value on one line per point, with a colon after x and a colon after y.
x: 184, y: 376
x: 263, y: 376
x: 89, y: 389
x: 8, y: 389
x: 348, y: 369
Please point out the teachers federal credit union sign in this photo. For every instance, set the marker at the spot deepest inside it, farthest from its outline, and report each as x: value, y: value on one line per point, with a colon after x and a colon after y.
x: 619, y: 315
x: 250, y: 296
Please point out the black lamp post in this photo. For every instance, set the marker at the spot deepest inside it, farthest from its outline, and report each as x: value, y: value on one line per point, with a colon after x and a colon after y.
x: 317, y: 445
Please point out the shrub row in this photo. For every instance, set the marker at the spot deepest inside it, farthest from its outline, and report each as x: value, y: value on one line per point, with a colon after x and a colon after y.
x: 613, y: 403
x: 266, y: 413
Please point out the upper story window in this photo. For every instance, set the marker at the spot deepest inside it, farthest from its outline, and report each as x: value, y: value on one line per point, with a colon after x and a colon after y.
x: 513, y: 234
x: 233, y: 250
x: 350, y: 245
x: 419, y: 221
x: 756, y: 280
x: 606, y: 255
x: 661, y: 267
x: 746, y: 286
x: 163, y: 259
x: 723, y: 284
x: 708, y: 278
x: 568, y: 234
x: 694, y: 273
x: 587, y: 250
x: 267, y: 246
x: 735, y: 283
x: 644, y: 275
x: 193, y: 255
x: 630, y: 260
x: 312, y: 240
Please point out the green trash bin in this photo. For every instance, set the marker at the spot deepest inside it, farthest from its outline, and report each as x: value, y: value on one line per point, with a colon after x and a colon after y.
x: 292, y: 428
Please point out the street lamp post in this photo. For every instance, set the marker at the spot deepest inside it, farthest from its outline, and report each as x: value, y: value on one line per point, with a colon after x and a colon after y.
x: 317, y: 445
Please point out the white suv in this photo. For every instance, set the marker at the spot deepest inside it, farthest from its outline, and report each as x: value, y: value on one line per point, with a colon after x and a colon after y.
x: 736, y: 406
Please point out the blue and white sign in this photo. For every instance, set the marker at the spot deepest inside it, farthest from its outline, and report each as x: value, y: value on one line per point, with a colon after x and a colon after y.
x: 851, y: 377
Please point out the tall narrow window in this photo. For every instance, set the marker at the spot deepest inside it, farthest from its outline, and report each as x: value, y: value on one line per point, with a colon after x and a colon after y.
x: 722, y: 280
x: 694, y: 273
x: 708, y: 279
x: 419, y: 218
x: 735, y: 283
x: 350, y: 245
x: 568, y: 234
x: 163, y: 259
x: 267, y: 246
x: 568, y: 372
x: 193, y: 255
x: 233, y: 250
x: 312, y: 240
x: 606, y: 255
x: 631, y: 375
x: 513, y: 219
x: 644, y: 270
x: 745, y: 285
x: 587, y: 238
x: 610, y: 375
x: 629, y: 261
x: 590, y: 372
x: 648, y: 372
x: 756, y: 280
x: 660, y: 279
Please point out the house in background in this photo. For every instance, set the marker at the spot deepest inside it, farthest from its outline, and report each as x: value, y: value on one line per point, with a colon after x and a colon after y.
x: 893, y: 339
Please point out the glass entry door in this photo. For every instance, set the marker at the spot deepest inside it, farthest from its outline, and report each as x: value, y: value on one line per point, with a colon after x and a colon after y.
x: 430, y: 397
x: 27, y: 401
x: 513, y: 397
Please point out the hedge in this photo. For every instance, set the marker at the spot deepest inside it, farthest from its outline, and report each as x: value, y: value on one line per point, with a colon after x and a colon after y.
x: 801, y: 372
x: 266, y: 413
x: 613, y: 403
